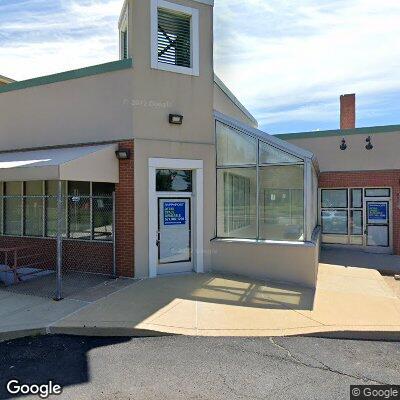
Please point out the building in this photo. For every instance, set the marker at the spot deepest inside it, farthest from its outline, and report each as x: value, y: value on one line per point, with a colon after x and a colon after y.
x: 4, y: 80
x: 197, y: 186
x: 359, y: 182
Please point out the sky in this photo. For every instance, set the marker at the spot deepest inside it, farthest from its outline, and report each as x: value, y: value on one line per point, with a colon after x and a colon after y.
x: 287, y: 61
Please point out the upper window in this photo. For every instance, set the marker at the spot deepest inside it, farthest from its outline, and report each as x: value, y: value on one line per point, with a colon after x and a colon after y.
x: 175, y: 38
x: 168, y: 180
x: 234, y: 148
x: 272, y: 155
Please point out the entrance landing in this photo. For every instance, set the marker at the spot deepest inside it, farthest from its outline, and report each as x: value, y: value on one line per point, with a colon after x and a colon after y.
x: 348, y: 302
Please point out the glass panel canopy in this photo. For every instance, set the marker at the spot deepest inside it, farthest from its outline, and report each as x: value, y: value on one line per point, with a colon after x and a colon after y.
x: 272, y: 155
x: 235, y: 148
x: 260, y: 194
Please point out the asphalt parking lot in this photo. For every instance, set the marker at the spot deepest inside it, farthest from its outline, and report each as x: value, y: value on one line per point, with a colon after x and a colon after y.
x: 178, y: 367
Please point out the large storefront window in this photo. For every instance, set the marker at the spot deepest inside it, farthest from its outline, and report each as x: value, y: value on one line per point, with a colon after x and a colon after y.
x: 237, y: 189
x: 30, y: 209
x: 282, y: 202
x: 260, y: 188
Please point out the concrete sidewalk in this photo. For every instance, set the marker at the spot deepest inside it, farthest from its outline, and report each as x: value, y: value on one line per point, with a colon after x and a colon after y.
x: 348, y: 302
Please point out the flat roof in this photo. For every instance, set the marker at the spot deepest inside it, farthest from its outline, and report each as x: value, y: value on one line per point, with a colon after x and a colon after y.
x: 370, y: 130
x: 68, y: 75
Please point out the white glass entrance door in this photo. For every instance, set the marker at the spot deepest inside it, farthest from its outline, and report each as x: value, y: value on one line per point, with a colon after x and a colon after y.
x: 174, y: 235
x: 377, y: 232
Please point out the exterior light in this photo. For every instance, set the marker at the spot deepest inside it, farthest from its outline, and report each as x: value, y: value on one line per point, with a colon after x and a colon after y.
x: 175, y: 119
x: 123, y: 154
x: 343, y: 146
x: 369, y: 145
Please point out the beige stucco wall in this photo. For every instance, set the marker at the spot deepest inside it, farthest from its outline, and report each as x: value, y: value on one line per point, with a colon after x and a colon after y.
x: 384, y: 156
x: 84, y: 110
x: 145, y: 149
x: 225, y: 105
x: 281, y: 262
x: 158, y: 93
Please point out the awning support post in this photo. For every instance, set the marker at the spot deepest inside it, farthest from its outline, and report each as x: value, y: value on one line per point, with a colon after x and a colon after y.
x: 59, y: 242
x: 114, y: 272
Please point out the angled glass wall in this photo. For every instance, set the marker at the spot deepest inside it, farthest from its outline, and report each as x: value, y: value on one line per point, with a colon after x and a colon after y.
x: 261, y: 189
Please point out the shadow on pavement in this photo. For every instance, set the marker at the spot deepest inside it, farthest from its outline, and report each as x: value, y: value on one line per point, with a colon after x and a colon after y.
x: 36, y: 360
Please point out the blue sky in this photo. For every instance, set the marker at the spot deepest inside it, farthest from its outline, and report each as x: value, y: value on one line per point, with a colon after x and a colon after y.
x: 287, y: 61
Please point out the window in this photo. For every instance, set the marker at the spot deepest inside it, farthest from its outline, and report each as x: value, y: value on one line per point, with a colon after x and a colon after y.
x: 33, y: 215
x: 281, y: 202
x: 334, y: 198
x: 260, y: 193
x: 377, y: 192
x: 334, y: 222
x: 30, y: 209
x: 13, y: 208
x: 175, y: 38
x: 272, y: 155
x: 236, y: 203
x: 79, y: 210
x: 234, y: 148
x: 123, y: 35
x: 168, y: 180
x: 51, y: 207
x: 102, y: 211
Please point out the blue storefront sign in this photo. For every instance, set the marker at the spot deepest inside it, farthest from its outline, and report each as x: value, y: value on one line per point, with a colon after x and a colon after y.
x: 378, y: 212
x: 175, y: 213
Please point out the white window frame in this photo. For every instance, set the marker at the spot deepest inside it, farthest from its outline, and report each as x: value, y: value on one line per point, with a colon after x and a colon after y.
x: 124, y: 26
x: 194, y: 37
x: 198, y: 200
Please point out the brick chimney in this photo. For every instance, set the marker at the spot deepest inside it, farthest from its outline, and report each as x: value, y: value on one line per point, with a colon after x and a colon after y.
x: 347, y: 111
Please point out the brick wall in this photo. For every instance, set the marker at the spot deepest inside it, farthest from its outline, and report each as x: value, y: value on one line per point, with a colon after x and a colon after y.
x: 124, y: 196
x: 77, y: 255
x: 348, y: 111
x: 370, y: 179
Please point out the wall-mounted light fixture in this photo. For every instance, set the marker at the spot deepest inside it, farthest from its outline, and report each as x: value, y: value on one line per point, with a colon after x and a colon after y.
x: 343, y: 146
x: 123, y: 154
x: 175, y: 119
x: 369, y: 145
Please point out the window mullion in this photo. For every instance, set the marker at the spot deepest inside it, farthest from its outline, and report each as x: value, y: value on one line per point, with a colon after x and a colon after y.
x: 258, y: 191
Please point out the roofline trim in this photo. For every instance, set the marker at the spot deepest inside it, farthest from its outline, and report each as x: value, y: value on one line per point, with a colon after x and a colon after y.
x: 69, y: 75
x: 234, y: 99
x: 266, y: 137
x: 206, y: 2
x: 341, y: 132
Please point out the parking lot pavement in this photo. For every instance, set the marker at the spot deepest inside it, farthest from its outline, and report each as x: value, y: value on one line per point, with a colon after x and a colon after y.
x: 177, y: 367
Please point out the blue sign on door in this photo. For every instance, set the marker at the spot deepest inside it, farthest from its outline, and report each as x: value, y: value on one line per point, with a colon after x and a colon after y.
x: 378, y: 212
x: 175, y: 213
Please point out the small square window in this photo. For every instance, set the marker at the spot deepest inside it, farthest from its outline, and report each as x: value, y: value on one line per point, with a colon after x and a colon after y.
x: 175, y: 38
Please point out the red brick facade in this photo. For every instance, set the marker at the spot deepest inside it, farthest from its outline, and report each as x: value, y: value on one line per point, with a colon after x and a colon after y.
x: 370, y: 179
x: 124, y: 196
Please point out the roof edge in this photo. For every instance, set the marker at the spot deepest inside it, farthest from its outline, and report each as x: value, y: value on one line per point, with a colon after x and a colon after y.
x: 271, y: 139
x: 69, y: 75
x: 234, y: 99
x: 340, y: 132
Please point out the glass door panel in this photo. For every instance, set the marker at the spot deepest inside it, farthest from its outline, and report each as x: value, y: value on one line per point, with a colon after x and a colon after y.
x: 174, y: 231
